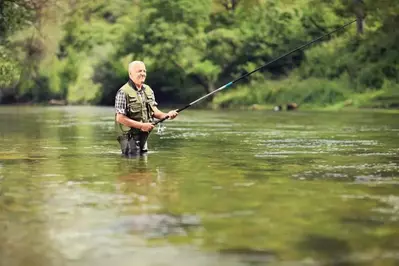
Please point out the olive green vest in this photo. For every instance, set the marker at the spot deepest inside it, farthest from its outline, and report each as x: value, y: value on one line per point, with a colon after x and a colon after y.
x: 139, y: 108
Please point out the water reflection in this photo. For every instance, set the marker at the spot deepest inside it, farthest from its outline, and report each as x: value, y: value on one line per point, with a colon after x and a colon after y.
x: 148, y: 212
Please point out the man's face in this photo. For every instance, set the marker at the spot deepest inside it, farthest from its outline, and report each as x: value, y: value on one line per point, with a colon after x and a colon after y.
x: 138, y: 73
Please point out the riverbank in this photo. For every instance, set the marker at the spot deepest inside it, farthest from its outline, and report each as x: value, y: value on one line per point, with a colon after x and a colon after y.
x: 318, y: 94
x: 333, y: 108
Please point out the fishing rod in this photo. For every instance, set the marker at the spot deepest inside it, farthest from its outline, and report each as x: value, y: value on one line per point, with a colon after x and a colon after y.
x: 257, y: 69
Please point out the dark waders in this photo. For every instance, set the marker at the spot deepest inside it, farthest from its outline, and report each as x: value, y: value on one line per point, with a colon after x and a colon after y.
x: 133, y: 143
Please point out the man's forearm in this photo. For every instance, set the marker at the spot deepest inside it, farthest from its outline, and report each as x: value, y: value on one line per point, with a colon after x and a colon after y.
x: 159, y: 114
x: 124, y: 120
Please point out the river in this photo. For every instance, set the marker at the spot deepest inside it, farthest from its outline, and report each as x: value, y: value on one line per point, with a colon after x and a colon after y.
x: 217, y: 188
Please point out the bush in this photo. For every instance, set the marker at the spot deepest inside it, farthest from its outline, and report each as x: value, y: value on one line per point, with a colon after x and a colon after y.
x: 313, y: 91
x: 387, y: 97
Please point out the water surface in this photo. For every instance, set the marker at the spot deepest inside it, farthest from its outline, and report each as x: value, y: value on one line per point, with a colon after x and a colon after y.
x: 217, y: 188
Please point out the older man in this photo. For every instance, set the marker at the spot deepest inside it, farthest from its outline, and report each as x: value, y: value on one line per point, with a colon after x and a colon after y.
x: 135, y: 107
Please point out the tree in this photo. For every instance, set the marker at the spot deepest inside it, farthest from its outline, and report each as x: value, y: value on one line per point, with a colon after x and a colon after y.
x: 168, y: 37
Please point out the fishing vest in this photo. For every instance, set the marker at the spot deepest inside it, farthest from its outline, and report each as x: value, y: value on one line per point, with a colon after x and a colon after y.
x: 139, y: 107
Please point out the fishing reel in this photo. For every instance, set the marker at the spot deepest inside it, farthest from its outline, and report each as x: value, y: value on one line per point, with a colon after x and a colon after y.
x: 161, y: 128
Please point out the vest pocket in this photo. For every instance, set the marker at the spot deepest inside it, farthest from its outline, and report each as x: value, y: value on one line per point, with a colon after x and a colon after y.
x: 151, y: 100
x: 134, y: 105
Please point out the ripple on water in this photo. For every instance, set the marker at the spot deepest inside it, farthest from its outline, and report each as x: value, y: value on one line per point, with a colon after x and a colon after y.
x: 108, y: 152
x: 286, y: 153
x: 316, y: 142
x: 54, y: 148
x: 225, y: 215
x: 76, y: 123
x: 186, y: 135
x: 376, y: 180
x: 376, y: 154
x: 244, y: 184
x: 51, y: 175
x: 320, y: 175
x: 375, y: 129
x: 359, y: 173
x: 295, y: 126
x: 392, y: 166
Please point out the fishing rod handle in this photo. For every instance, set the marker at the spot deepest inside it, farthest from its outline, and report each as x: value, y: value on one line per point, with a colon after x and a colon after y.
x: 160, y: 121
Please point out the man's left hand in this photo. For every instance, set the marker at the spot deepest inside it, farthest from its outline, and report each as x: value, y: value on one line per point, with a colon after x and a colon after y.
x: 172, y: 114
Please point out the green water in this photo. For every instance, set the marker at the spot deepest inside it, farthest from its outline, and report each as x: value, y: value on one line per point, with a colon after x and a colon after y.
x: 217, y: 188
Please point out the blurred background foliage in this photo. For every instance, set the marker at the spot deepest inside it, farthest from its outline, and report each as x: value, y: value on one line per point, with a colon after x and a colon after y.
x: 77, y: 51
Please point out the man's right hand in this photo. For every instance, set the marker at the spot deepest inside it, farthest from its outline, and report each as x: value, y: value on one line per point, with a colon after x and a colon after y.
x: 146, y: 127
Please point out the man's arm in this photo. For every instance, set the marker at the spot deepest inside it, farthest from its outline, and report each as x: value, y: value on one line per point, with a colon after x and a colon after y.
x: 124, y: 120
x: 158, y: 113
x: 161, y: 115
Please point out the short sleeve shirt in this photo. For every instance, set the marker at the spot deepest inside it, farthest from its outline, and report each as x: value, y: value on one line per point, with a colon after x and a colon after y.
x: 120, y: 103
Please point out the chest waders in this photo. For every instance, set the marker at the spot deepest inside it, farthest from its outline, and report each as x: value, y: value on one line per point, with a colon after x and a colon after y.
x: 139, y: 108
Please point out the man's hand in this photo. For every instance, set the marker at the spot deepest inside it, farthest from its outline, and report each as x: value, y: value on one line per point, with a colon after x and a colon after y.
x: 146, y: 127
x: 172, y: 114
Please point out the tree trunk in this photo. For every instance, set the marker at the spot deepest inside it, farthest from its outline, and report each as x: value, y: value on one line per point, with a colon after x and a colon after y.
x: 358, y: 9
x: 211, y: 87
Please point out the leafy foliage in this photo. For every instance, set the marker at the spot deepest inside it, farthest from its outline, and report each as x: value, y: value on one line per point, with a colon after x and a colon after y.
x: 191, y: 48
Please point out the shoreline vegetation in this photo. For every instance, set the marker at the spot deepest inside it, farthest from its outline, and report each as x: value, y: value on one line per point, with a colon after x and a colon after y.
x: 62, y: 52
x: 254, y: 107
x: 357, y: 102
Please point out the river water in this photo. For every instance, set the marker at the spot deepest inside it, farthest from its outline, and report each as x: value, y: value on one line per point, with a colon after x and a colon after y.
x: 217, y: 188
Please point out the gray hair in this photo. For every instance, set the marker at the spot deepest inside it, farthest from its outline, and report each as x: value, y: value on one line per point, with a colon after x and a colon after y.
x: 133, y: 64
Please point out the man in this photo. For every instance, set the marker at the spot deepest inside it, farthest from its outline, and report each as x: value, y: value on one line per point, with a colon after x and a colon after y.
x: 135, y: 107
